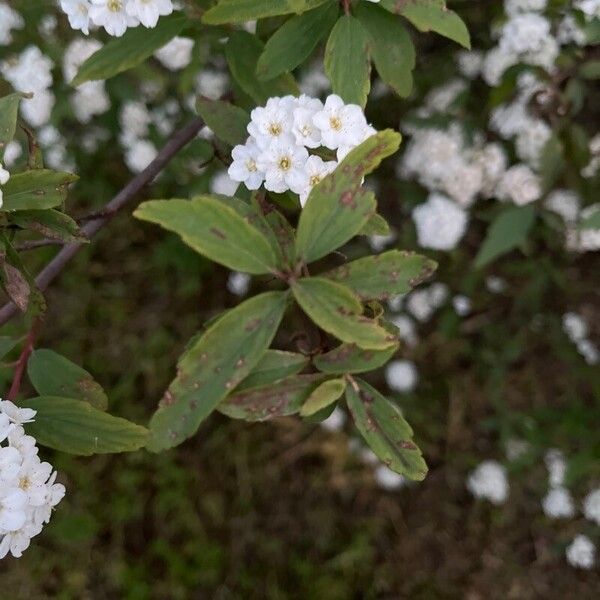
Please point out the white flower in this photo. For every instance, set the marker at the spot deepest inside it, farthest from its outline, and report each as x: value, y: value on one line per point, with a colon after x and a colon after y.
x: 574, y: 326
x: 388, y: 479
x: 134, y: 120
x: 10, y: 463
x: 112, y: 15
x: 244, y: 166
x: 462, y: 305
x: 401, y: 375
x: 520, y: 185
x: 140, y: 154
x: 591, y: 506
x: 13, y: 504
x: 238, y: 283
x: 590, y: 8
x: 15, y: 414
x: 558, y: 504
x: 531, y: 141
x: 304, y: 130
x: 489, y: 481
x: 177, y: 54
x: 406, y: 329
x: 78, y: 13
x: 340, y: 124
x: 525, y: 33
x: 222, y: 184
x: 440, y: 223
x: 9, y: 19
x: 283, y: 164
x: 565, y: 203
x: 557, y: 467
x: 212, y: 84
x: 589, y: 351
x: 270, y: 123
x: 148, y: 11
x: 315, y: 169
x: 581, y: 553
x: 76, y: 53
x: 470, y: 63
x: 335, y: 421
x: 4, y: 175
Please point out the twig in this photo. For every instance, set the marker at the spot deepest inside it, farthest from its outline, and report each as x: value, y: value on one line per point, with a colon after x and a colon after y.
x: 33, y: 244
x: 57, y: 264
x: 21, y: 363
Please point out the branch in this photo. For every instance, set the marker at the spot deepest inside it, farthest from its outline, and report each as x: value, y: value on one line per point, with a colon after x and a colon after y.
x: 21, y: 363
x: 57, y: 264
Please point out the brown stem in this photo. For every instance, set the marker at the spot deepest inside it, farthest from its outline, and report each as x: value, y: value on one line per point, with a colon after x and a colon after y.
x: 130, y: 191
x: 346, y: 6
x: 21, y: 363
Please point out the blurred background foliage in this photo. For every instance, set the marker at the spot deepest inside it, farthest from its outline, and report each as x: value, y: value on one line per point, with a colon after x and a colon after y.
x: 285, y: 509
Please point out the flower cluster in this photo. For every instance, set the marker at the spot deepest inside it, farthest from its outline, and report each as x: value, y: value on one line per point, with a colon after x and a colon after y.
x: 28, y: 491
x: 578, y: 332
x: 31, y: 72
x: 116, y: 16
x: 488, y: 480
x: 283, y: 132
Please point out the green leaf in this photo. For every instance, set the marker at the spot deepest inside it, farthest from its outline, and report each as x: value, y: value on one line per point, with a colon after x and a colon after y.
x: 384, y: 429
x: 228, y: 122
x: 295, y: 41
x: 327, y: 393
x: 53, y: 375
x: 391, y: 48
x: 279, y: 399
x: 376, y: 225
x: 347, y: 62
x: 78, y: 428
x: 9, y: 110
x: 432, y: 15
x: 240, y: 11
x: 552, y: 162
x: 335, y: 309
x: 6, y: 345
x: 242, y: 52
x: 214, y: 230
x: 590, y: 69
x: 508, y: 230
x: 349, y: 358
x: 128, y: 51
x: 338, y: 207
x: 274, y: 365
x: 36, y: 189
x: 384, y: 275
x: 49, y: 223
x: 592, y: 221
x: 220, y: 359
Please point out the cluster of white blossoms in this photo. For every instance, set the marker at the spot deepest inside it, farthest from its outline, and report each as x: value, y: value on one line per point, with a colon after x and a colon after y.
x: 576, y: 328
x: 135, y: 120
x: 9, y: 19
x: 90, y: 98
x: 4, y: 177
x: 489, y: 481
x: 31, y: 73
x: 558, y: 502
x: 284, y: 131
x: 115, y: 16
x: 28, y: 491
x: 581, y: 552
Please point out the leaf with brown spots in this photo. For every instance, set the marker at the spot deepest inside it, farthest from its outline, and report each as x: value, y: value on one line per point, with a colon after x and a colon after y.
x: 339, y: 207
x: 279, y: 399
x: 274, y: 365
x: 53, y: 375
x: 335, y: 309
x: 215, y: 230
x: 384, y: 275
x: 36, y: 189
x: 385, y: 430
x: 349, y: 358
x: 213, y: 367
